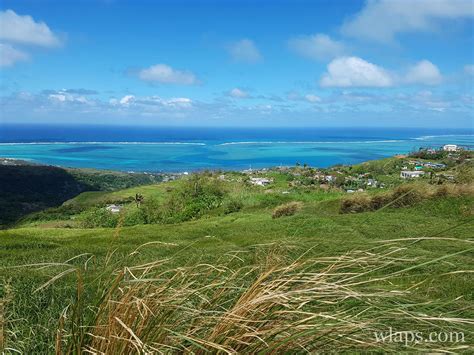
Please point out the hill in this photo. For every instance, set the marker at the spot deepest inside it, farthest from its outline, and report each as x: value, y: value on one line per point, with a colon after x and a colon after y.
x: 27, y: 187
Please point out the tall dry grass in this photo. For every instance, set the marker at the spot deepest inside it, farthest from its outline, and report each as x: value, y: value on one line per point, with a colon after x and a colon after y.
x: 403, y: 196
x: 280, y: 305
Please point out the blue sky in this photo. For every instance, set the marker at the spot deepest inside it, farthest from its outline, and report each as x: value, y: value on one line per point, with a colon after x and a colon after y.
x: 238, y: 63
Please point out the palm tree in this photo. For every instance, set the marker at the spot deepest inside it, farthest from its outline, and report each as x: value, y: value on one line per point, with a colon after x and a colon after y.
x: 138, y: 199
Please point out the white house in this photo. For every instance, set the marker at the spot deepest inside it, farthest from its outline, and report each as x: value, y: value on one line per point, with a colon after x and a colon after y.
x: 260, y: 181
x: 329, y: 178
x: 372, y: 182
x: 405, y: 174
x: 450, y: 147
x: 113, y: 208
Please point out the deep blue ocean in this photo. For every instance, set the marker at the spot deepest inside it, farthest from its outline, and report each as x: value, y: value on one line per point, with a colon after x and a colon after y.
x: 157, y: 149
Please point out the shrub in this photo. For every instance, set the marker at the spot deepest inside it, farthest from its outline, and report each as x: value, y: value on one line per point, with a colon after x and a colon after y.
x: 191, y: 200
x: 379, y: 201
x: 408, y: 195
x: 134, y: 216
x: 232, y: 206
x: 403, y: 196
x: 98, y: 217
x: 357, y: 203
x: 287, y: 209
x: 465, y: 175
x: 151, y: 210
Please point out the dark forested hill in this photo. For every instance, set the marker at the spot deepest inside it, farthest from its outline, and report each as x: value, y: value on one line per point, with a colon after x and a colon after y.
x: 25, y: 188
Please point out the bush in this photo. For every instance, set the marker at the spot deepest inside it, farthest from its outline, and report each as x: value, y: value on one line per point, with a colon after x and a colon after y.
x: 233, y: 206
x: 198, y: 194
x: 287, y: 209
x: 134, y: 216
x: 465, y: 175
x: 98, y: 217
x: 355, y: 204
x: 408, y: 195
x: 403, y: 196
x: 151, y: 211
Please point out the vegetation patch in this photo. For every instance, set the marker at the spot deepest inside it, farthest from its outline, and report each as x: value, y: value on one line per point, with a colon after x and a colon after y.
x: 403, y: 196
x: 287, y: 209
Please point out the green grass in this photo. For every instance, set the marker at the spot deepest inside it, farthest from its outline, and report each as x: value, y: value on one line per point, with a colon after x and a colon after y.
x: 316, y: 230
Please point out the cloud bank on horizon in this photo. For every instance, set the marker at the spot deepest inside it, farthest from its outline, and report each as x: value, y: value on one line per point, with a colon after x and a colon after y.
x: 354, y: 63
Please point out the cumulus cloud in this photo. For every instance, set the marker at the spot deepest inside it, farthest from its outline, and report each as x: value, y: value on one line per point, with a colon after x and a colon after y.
x: 238, y: 93
x: 355, y: 72
x: 382, y: 20
x: 9, y: 55
x: 245, y: 51
x: 425, y: 73
x: 25, y: 30
x: 153, y: 101
x: 63, y: 96
x: 162, y: 73
x: 318, y: 46
x: 126, y: 100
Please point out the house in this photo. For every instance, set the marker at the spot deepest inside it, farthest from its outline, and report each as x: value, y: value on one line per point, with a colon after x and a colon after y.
x: 114, y: 208
x: 434, y: 165
x: 405, y: 174
x: 329, y: 178
x: 260, y: 181
x: 450, y: 147
x: 372, y: 182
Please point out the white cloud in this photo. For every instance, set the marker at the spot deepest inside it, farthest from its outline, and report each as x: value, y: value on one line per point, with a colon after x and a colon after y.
x: 57, y: 97
x: 63, y: 96
x: 425, y: 73
x: 296, y: 96
x: 469, y: 69
x: 318, y: 46
x: 382, y: 20
x: 25, y: 30
x: 126, y: 100
x: 245, y: 51
x: 9, y: 55
x: 238, y: 93
x: 151, y: 101
x: 177, y: 102
x: 429, y: 101
x: 165, y: 74
x: 312, y: 98
x: 355, y: 72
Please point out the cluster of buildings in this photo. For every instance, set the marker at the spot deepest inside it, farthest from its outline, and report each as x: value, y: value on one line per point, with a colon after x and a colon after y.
x: 416, y: 169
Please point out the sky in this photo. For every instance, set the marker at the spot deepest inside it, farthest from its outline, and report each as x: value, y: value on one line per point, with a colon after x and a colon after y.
x: 376, y: 63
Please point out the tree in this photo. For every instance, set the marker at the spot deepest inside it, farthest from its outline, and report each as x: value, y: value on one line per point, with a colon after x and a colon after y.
x: 138, y: 199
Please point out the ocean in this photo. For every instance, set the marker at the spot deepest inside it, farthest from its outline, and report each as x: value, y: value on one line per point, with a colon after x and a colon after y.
x: 160, y: 149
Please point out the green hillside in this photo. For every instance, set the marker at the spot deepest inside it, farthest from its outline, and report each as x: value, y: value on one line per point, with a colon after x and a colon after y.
x: 26, y: 187
x: 215, y: 262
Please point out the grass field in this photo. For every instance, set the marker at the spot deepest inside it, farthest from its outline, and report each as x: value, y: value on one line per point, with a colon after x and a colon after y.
x: 413, y: 267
